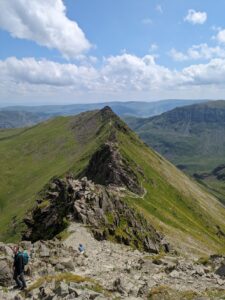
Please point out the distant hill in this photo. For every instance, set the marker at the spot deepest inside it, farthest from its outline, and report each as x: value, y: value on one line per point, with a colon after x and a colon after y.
x: 16, y: 119
x: 192, y: 137
x: 132, y: 108
x: 99, y: 145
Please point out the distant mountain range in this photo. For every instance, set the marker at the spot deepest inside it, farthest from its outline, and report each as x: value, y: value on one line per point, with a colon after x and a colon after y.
x: 192, y: 137
x: 20, y: 116
x: 14, y: 119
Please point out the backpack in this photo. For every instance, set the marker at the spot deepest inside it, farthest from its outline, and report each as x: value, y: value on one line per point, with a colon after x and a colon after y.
x: 25, y: 257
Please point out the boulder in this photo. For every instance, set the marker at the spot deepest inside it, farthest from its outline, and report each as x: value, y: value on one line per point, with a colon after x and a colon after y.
x: 6, y: 273
x: 5, y: 250
x: 62, y: 290
x: 67, y: 263
x: 150, y: 246
x: 44, y: 251
x: 118, y: 287
x: 221, y: 270
x: 175, y: 274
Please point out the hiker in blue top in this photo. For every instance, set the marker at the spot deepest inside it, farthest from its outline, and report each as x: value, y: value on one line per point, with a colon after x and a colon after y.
x: 81, y: 248
x: 18, y: 268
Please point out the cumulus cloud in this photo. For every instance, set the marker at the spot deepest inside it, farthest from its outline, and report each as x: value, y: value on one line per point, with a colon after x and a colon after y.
x: 44, y: 22
x: 212, y: 73
x: 197, y: 52
x: 196, y: 17
x: 125, y: 75
x: 136, y: 73
x: 48, y: 73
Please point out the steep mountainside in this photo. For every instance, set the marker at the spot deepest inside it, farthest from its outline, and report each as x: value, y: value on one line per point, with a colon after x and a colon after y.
x: 15, y: 119
x: 192, y: 137
x: 101, y: 147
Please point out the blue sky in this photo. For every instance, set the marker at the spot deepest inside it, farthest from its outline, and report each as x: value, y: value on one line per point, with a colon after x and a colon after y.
x: 77, y: 51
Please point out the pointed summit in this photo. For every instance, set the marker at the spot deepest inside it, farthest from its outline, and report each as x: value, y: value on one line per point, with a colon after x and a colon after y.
x: 108, y: 114
x: 107, y: 110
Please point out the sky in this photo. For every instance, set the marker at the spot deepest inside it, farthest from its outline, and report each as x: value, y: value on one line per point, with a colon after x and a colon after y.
x: 82, y: 51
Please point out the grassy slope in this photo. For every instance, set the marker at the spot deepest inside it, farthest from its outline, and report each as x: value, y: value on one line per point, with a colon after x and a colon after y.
x: 174, y: 203
x: 29, y: 158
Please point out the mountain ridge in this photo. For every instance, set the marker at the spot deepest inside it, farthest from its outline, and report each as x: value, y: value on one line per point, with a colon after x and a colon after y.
x: 172, y: 203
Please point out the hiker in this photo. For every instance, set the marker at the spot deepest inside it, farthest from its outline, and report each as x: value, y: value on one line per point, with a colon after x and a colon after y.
x: 81, y: 249
x: 18, y: 268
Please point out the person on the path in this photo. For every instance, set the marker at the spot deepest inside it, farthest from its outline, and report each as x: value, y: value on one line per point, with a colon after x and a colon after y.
x: 81, y: 249
x: 18, y: 268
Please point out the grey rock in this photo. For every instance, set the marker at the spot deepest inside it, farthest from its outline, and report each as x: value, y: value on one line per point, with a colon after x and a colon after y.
x: 199, y: 271
x: 6, y: 277
x: 95, y: 205
x: 174, y: 274
x: 118, y: 287
x: 62, y: 289
x: 44, y: 252
x: 67, y: 263
x: 221, y: 270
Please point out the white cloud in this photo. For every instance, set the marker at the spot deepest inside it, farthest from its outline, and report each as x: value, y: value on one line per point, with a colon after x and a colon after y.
x: 177, y: 55
x: 196, y: 17
x: 129, y: 72
x: 221, y: 36
x: 212, y: 73
x: 197, y: 52
x: 48, y: 73
x: 119, y: 77
x: 44, y: 22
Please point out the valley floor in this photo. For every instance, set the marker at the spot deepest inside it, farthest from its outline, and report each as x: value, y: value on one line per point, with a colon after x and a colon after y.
x: 110, y: 271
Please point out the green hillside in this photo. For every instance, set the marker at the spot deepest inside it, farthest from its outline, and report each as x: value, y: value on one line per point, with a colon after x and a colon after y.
x: 191, y: 218
x: 30, y: 157
x: 192, y: 137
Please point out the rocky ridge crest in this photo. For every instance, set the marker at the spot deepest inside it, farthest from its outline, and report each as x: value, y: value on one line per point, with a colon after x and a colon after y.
x: 99, y: 207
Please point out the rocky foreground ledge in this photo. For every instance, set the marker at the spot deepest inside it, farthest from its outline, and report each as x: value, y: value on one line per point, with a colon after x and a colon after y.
x: 109, y: 271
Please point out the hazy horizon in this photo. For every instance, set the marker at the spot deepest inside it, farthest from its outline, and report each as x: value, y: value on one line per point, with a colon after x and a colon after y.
x: 99, y: 102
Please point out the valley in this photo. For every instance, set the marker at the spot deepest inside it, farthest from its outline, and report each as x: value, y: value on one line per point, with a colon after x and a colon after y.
x: 191, y: 137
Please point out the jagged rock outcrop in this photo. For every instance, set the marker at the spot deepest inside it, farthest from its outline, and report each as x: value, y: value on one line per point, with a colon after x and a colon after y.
x: 99, y: 207
x: 107, y: 167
